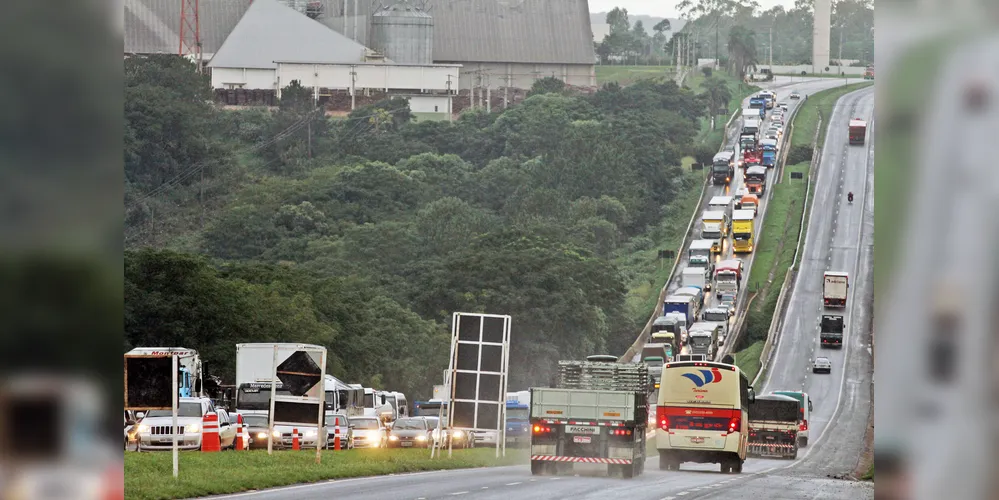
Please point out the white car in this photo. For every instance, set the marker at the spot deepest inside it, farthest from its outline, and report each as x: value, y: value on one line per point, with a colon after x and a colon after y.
x: 368, y: 432
x: 795, y: 95
x: 821, y: 364
x: 154, y: 432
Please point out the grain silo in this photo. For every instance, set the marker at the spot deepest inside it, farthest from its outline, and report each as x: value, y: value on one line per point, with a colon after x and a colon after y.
x: 404, y: 33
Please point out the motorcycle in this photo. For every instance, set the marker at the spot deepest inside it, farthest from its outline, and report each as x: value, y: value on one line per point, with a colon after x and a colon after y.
x: 849, y: 198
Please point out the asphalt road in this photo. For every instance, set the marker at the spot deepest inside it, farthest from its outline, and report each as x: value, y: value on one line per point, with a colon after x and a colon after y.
x: 761, y: 478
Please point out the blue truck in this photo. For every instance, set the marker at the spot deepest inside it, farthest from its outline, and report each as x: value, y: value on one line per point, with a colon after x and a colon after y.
x: 683, y: 304
x: 518, y: 422
x: 769, y: 156
x: 759, y: 103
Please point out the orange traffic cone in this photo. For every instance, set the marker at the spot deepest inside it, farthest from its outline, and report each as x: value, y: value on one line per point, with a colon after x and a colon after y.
x: 240, y: 443
x: 210, y: 433
x: 295, y: 444
x: 336, y: 438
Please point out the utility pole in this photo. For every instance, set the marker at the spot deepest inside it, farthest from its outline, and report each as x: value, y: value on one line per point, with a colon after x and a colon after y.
x: 353, y: 90
x: 450, y: 97
x: 771, y: 49
x: 489, y: 101
x: 841, y: 47
x: 355, y: 20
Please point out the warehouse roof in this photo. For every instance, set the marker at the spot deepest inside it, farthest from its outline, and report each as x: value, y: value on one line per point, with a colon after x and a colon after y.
x: 153, y: 26
x: 526, y: 31
x: 270, y: 32
x: 518, y: 31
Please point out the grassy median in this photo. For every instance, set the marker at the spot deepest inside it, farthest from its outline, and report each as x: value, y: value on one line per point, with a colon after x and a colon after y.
x: 149, y: 475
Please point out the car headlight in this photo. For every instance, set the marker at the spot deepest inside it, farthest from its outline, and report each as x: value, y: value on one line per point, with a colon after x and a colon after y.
x: 276, y: 433
x: 459, y: 434
x: 421, y: 438
x: 261, y: 435
x: 143, y: 428
x: 192, y: 428
x: 393, y: 438
x: 371, y: 437
x: 311, y: 432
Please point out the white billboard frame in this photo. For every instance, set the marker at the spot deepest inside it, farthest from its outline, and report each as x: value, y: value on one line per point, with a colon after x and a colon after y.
x: 451, y: 377
x: 320, y: 430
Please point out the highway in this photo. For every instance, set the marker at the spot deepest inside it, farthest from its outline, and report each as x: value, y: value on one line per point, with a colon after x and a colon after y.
x: 839, y: 236
x: 783, y: 86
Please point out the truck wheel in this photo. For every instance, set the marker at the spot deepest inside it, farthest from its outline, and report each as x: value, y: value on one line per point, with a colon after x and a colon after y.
x: 737, y: 467
x: 537, y: 467
x: 628, y: 471
x: 663, y: 461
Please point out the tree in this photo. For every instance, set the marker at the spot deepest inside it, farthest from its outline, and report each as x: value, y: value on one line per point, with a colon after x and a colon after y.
x: 662, y: 26
x: 547, y: 85
x: 717, y: 95
x: 742, y: 50
x: 617, y: 19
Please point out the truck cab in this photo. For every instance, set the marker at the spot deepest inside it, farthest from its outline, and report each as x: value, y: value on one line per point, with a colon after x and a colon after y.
x: 769, y: 157
x: 831, y: 330
x: 722, y: 167
x: 749, y: 202
x: 743, y: 231
x: 756, y: 179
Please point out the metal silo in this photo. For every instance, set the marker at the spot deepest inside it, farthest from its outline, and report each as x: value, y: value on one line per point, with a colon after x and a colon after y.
x: 404, y: 33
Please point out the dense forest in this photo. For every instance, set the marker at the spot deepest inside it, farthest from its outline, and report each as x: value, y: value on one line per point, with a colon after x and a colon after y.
x: 744, y: 31
x: 364, y: 233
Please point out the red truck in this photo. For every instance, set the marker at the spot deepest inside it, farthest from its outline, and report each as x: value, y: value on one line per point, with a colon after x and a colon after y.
x: 858, y: 130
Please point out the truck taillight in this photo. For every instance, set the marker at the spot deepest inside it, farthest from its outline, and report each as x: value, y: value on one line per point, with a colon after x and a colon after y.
x: 734, y: 424
x: 804, y: 425
x: 540, y: 429
x: 827, y: 301
x: 621, y: 432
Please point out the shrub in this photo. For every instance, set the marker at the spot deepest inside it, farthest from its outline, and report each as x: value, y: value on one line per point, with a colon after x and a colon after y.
x: 799, y: 154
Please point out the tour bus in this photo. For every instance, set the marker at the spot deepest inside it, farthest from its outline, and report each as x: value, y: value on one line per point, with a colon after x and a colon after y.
x: 702, y: 415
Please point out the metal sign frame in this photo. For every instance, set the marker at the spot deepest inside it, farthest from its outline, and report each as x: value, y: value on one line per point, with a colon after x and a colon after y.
x: 452, y: 379
x: 320, y: 400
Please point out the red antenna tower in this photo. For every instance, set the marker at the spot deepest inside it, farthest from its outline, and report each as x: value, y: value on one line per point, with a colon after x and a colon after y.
x: 190, y: 31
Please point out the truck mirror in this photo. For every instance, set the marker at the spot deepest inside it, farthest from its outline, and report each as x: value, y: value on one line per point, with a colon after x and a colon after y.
x: 752, y: 395
x: 139, y: 415
x: 197, y: 386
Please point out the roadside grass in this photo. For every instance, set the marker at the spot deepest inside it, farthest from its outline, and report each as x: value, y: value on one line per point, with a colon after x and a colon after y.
x: 869, y: 475
x: 639, y: 262
x: 626, y: 75
x: 149, y: 476
x: 748, y: 359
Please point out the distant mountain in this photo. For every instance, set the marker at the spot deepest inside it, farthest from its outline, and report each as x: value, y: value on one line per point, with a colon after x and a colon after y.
x: 647, y: 21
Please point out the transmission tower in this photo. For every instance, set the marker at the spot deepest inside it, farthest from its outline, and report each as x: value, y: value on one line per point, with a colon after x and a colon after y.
x: 190, y: 31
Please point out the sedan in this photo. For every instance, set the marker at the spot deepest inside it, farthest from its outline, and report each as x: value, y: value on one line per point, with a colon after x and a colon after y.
x: 411, y: 432
x: 821, y: 365
x: 795, y: 95
x: 368, y: 432
x: 258, y: 427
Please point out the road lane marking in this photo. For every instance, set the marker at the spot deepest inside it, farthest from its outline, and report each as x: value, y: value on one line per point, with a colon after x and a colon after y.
x: 682, y: 493
x: 458, y: 493
x: 513, y: 484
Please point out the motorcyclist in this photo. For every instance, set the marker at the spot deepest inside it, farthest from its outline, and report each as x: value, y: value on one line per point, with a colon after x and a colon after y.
x: 849, y: 196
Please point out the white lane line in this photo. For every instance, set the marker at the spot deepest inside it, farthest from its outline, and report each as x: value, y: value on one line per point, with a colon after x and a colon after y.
x: 458, y: 493
x: 668, y: 498
x: 513, y: 484
x: 554, y: 478
x: 682, y: 493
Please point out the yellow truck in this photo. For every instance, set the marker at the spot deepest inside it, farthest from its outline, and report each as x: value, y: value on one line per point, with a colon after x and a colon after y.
x: 742, y: 231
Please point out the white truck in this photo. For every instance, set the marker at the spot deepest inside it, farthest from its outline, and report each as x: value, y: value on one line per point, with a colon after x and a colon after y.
x: 697, y: 277
x: 190, y: 379
x: 834, y: 288
x: 721, y: 204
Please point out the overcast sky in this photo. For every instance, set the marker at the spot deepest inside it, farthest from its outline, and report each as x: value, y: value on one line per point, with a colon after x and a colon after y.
x: 660, y: 8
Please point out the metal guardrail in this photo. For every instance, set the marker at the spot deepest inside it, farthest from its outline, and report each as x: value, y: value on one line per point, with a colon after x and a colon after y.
x: 787, y: 289
x: 636, y: 346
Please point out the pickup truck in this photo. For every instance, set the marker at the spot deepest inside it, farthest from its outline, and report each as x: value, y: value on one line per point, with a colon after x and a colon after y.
x: 598, y: 413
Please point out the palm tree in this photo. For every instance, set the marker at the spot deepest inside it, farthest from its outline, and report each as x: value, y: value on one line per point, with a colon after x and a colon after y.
x: 742, y: 50
x: 716, y: 94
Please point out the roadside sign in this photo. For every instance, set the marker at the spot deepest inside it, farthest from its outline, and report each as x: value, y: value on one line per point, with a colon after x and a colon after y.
x: 797, y: 175
x: 667, y: 254
x: 299, y: 373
